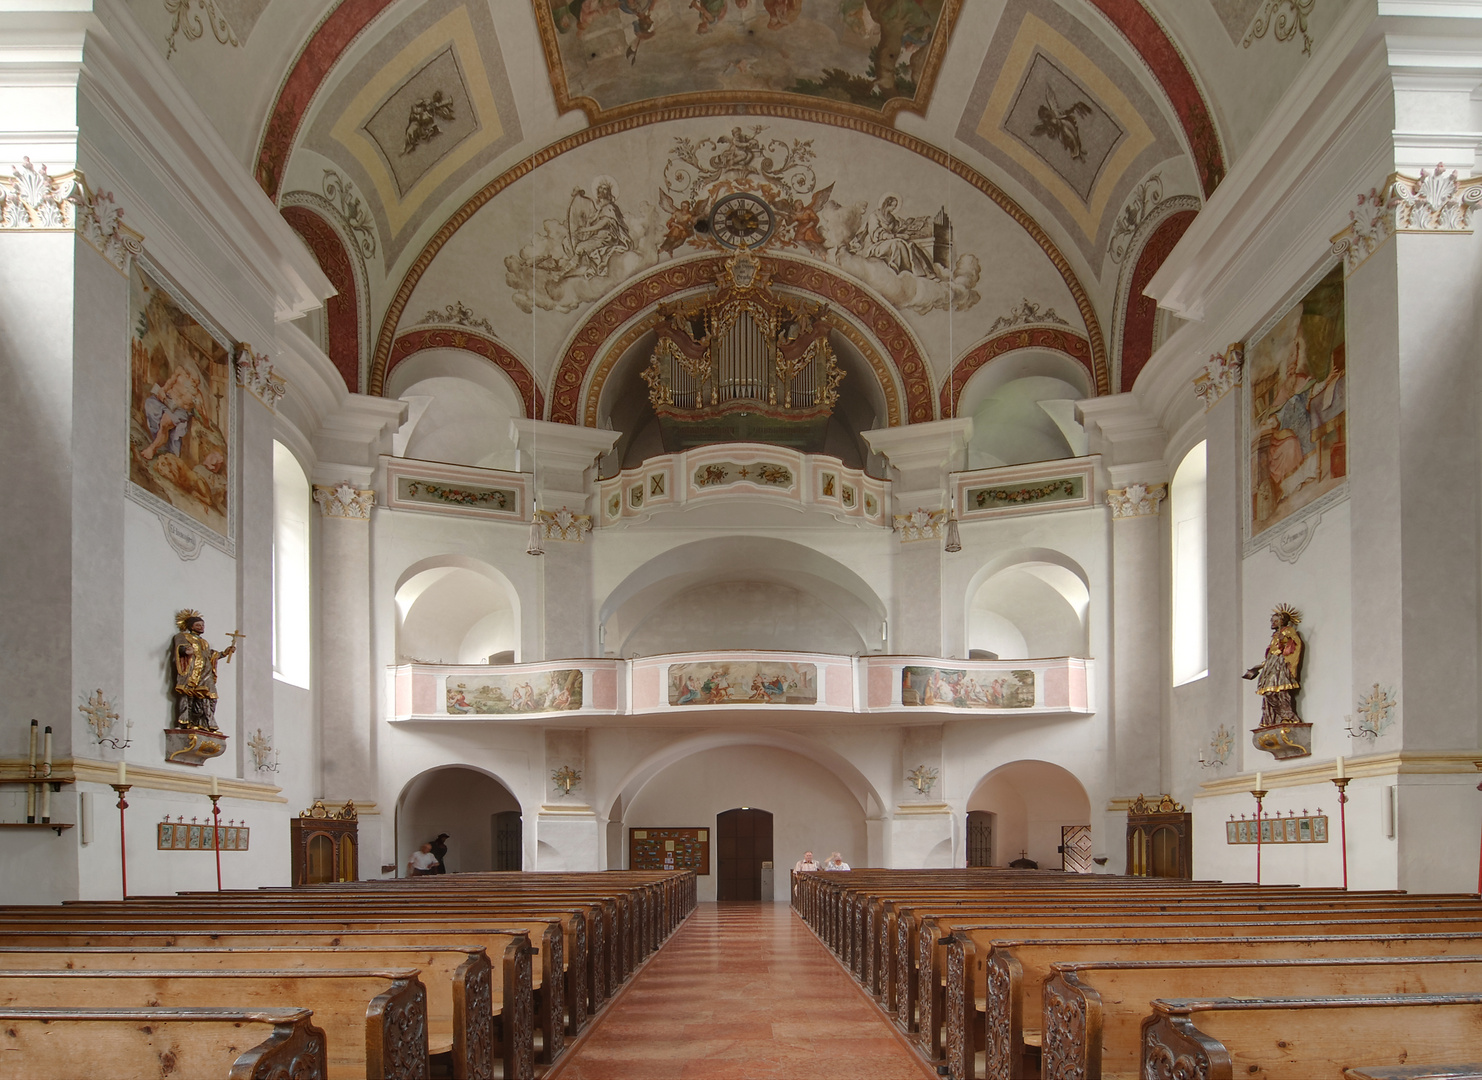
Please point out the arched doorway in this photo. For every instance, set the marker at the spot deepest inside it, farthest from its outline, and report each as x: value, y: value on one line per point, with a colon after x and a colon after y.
x: 480, y: 815
x: 743, y: 843
x: 1038, y: 811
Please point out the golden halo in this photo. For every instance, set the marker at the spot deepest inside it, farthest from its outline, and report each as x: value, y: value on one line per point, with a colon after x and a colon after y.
x: 184, y: 616
x: 1291, y: 614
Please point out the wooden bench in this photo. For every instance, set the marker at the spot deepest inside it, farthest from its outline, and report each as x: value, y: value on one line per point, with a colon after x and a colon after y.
x: 1093, y: 1012
x: 63, y: 1044
x: 510, y: 994
x: 374, y: 1022
x: 462, y: 996
x: 1008, y: 980
x: 1305, y: 1038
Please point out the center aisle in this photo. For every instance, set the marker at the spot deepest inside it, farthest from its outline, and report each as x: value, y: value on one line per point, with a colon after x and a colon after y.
x: 742, y: 991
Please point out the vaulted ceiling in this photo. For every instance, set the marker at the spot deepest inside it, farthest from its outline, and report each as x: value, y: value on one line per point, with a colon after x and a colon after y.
x: 520, y: 180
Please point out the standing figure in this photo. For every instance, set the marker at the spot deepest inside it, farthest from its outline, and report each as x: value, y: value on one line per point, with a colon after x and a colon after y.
x: 194, y: 663
x: 1278, y: 677
x: 440, y: 853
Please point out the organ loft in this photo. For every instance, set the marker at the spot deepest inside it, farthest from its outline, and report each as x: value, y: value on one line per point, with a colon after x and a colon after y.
x: 500, y: 482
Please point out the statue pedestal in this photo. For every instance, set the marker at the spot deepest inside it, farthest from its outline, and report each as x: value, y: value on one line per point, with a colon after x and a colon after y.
x: 1283, y: 741
x: 193, y: 746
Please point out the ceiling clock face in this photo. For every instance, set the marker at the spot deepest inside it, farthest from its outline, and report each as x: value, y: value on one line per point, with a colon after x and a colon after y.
x: 742, y: 220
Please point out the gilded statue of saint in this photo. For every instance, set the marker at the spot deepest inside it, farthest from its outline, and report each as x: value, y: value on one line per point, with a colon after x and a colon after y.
x: 194, y: 663
x: 1278, y: 677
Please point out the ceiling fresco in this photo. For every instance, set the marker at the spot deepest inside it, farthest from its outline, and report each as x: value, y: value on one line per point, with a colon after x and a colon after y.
x: 613, y: 58
x: 503, y: 172
x: 417, y: 114
x: 1055, y: 108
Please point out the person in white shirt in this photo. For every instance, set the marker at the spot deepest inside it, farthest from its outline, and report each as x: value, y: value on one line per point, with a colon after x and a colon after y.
x: 836, y: 862
x: 422, y: 861
x: 805, y: 864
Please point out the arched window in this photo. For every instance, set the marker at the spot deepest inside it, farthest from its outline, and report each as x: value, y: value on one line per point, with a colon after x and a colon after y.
x: 1190, y: 626
x: 292, y: 501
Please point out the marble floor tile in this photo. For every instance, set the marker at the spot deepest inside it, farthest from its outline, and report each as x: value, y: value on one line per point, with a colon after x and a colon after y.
x: 742, y: 992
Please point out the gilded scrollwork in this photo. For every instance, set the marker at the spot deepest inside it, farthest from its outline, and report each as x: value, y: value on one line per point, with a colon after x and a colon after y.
x: 554, y: 992
x: 882, y: 955
x: 1064, y: 1047
x: 597, y: 959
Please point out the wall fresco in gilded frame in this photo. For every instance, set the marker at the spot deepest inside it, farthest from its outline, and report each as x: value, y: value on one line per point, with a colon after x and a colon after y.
x: 1295, y: 418
x: 182, y: 402
x: 617, y: 58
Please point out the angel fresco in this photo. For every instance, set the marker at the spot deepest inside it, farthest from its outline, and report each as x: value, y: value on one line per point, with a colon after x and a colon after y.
x: 1063, y: 124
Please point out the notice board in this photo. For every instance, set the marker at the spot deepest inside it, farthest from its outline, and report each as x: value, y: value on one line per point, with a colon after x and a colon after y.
x: 669, y: 849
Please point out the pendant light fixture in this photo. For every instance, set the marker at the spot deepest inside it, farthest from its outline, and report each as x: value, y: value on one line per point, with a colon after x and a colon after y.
x: 954, y: 538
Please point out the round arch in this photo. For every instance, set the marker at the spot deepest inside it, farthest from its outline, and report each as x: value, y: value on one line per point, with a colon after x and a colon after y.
x: 408, y: 590
x: 455, y: 798
x: 1042, y: 338
x: 599, y: 341
x: 427, y: 338
x: 633, y: 782
x: 1031, y: 800
x: 679, y: 569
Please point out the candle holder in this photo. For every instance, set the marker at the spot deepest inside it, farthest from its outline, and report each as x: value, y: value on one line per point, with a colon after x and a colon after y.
x: 1341, y: 783
x: 1260, y: 794
x: 123, y: 841
x: 216, y: 836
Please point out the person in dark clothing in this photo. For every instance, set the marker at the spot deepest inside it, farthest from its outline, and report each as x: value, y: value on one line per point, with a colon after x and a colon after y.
x: 440, y: 852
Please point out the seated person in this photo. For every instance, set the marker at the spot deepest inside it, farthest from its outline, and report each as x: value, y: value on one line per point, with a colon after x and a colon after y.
x: 805, y: 864
x: 836, y: 862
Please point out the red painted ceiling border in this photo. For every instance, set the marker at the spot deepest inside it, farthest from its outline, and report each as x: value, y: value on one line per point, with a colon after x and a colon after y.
x: 313, y: 65
x: 1142, y: 311
x: 1143, y: 31
x: 570, y: 404
x: 342, y: 319
x: 1068, y: 342
x: 423, y: 338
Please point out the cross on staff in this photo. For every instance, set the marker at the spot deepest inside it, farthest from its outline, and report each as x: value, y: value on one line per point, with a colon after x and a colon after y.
x: 236, y: 636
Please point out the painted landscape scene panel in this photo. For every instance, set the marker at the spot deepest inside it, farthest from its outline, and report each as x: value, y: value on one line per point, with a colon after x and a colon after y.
x: 551, y: 691
x: 967, y: 689
x: 1298, y: 407
x: 863, y: 53
x: 744, y: 682
x: 180, y: 386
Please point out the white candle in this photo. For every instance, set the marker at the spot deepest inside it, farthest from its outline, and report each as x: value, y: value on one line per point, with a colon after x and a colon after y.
x: 45, y: 802
x: 122, y: 774
x: 1341, y: 773
x: 213, y: 785
x: 33, y: 746
x: 46, y: 756
x: 1258, y: 782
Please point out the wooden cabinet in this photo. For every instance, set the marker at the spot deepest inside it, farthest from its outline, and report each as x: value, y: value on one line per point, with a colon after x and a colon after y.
x: 1160, y: 841
x: 324, y: 848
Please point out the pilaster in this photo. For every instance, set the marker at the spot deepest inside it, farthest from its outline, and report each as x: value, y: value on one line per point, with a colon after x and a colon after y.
x: 567, y: 827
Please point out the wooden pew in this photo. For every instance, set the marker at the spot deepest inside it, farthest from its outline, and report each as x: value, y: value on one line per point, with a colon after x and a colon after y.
x: 550, y: 1022
x: 1008, y: 981
x: 371, y: 1029
x: 1093, y: 1012
x: 510, y: 992
x: 63, y: 1044
x: 462, y: 997
x: 1305, y: 1038
x: 958, y: 984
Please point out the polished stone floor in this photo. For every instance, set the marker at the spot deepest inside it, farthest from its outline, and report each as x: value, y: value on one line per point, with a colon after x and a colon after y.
x: 742, y: 991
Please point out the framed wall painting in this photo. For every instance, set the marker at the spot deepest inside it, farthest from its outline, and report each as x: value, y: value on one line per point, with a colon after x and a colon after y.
x: 1296, y: 418
x: 182, y: 397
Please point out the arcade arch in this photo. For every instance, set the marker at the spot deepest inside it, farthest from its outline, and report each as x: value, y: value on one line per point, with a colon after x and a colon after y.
x: 1031, y: 801
x: 1029, y: 604
x: 776, y: 594
x: 460, y: 407
x: 469, y: 804
x: 456, y: 610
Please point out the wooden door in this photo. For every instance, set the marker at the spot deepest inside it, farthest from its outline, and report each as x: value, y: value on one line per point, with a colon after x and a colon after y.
x: 1075, y: 849
x: 979, y: 838
x: 744, y: 841
x: 509, y: 841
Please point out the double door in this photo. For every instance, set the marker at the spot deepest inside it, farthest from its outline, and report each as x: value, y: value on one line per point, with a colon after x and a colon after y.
x: 743, y: 842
